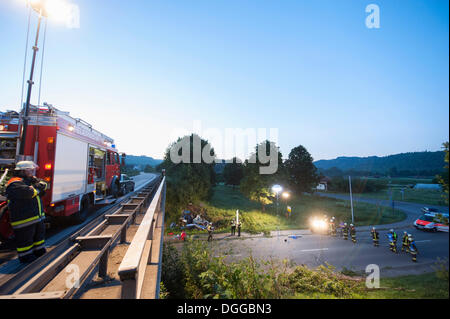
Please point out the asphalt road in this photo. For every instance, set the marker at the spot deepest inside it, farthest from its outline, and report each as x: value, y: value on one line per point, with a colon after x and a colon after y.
x: 412, y: 210
x: 314, y: 250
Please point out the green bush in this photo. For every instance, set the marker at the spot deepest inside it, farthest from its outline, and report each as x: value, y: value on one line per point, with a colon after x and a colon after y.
x: 172, y: 273
x: 199, y: 275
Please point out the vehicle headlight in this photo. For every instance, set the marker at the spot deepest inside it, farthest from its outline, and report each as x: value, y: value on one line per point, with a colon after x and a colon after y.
x: 319, y: 224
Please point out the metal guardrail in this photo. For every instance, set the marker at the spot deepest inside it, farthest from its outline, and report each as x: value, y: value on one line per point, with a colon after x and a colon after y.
x: 84, y: 254
x: 140, y: 270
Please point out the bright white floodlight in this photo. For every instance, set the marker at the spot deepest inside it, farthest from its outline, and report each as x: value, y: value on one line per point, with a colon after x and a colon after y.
x: 60, y: 11
x: 277, y: 189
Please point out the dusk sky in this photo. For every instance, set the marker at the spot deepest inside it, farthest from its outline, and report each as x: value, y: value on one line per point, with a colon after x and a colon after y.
x: 139, y: 70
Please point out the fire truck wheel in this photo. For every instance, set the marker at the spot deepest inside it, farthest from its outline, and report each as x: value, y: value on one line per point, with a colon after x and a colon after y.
x: 85, y: 209
x: 115, y: 188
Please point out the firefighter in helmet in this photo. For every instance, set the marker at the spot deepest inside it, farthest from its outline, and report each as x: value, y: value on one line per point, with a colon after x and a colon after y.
x: 239, y: 225
x: 375, y: 237
x: 24, y: 192
x: 405, y: 243
x: 345, y: 231
x: 392, y: 235
x: 233, y: 227
x: 412, y: 247
x: 332, y: 226
x: 210, y: 230
x: 353, y: 233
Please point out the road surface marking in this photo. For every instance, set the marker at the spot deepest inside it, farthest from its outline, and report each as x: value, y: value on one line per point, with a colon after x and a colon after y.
x: 307, y: 250
x: 422, y: 241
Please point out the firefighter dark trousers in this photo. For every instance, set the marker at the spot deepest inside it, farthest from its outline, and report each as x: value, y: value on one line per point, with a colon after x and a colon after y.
x: 414, y: 255
x: 233, y: 230
x: 393, y: 247
x: 354, y: 239
x: 30, y: 241
x: 376, y: 242
x: 405, y: 247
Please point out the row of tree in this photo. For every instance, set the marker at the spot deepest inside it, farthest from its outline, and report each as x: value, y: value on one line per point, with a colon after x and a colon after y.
x: 297, y: 173
x: 190, y: 182
x: 392, y: 172
x: 192, y: 179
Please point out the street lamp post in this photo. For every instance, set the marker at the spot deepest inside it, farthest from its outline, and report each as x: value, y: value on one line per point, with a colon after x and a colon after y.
x: 351, y: 197
x: 285, y: 196
x: 277, y: 189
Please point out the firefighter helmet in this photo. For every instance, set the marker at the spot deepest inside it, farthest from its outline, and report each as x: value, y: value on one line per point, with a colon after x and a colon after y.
x: 24, y: 165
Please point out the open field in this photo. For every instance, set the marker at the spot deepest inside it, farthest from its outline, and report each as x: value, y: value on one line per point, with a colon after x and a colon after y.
x: 420, y: 196
x: 222, y: 208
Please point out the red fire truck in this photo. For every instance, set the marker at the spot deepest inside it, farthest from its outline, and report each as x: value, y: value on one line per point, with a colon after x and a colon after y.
x: 81, y: 165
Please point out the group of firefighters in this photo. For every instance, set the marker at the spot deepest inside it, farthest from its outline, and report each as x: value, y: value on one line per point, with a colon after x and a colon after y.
x: 233, y: 227
x: 408, y: 243
x: 24, y: 193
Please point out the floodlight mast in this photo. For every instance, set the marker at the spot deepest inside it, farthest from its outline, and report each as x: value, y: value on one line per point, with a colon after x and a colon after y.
x: 38, y: 7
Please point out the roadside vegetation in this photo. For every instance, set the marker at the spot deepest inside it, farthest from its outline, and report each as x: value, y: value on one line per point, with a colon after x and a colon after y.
x: 193, y: 273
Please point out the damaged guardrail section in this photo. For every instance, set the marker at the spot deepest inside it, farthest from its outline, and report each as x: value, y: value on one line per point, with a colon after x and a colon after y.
x: 140, y: 270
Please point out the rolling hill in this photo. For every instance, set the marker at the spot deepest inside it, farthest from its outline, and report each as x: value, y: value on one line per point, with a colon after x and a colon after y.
x: 142, y: 161
x: 413, y: 162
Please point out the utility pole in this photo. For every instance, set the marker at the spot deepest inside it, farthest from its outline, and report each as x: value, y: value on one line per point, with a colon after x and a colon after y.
x: 351, y: 197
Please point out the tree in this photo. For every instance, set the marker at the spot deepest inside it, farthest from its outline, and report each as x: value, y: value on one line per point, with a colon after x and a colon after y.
x: 257, y: 186
x: 302, y: 172
x: 187, y: 181
x: 443, y: 179
x: 233, y: 172
x: 149, y: 169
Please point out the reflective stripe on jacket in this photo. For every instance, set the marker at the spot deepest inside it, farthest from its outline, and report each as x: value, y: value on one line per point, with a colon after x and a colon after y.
x: 24, y: 203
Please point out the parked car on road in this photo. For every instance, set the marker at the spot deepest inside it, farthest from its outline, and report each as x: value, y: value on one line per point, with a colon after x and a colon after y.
x: 432, y: 222
x: 428, y: 210
x: 126, y: 184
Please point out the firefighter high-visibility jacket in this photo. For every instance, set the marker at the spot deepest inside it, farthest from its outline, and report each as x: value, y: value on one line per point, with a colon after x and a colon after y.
x: 24, y: 203
x: 405, y: 240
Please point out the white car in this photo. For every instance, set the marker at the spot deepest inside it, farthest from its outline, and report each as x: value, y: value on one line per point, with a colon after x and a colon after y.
x: 432, y: 222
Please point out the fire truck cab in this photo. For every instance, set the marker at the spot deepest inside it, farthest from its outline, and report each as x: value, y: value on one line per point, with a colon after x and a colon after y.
x: 80, y: 164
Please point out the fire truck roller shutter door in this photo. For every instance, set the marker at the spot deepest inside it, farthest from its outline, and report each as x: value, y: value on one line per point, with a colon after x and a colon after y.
x: 70, y: 170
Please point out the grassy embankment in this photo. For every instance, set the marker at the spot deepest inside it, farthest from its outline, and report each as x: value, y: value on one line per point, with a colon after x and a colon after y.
x: 226, y: 200
x: 421, y: 196
x: 197, y: 274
